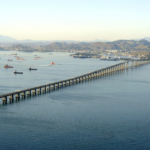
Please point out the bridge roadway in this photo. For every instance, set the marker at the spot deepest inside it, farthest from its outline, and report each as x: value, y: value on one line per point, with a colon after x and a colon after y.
x: 55, y: 85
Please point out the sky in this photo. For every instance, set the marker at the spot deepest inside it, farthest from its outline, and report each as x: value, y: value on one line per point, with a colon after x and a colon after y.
x: 80, y: 20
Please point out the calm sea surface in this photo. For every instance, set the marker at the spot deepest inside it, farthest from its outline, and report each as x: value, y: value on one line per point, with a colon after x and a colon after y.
x: 111, y: 112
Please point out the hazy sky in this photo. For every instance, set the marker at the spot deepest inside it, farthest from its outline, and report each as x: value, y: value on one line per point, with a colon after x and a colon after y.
x: 75, y: 19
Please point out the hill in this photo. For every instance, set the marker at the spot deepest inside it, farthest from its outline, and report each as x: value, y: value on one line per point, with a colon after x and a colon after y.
x: 126, y: 45
x: 7, y: 39
x: 115, y: 45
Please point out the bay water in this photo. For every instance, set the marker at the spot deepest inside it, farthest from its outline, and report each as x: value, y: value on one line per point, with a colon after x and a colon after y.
x: 110, y: 112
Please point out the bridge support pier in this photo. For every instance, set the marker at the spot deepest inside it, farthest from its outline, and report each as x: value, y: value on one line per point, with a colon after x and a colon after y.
x: 10, y: 99
x: 64, y: 83
x: 56, y: 86
x: 38, y: 91
x: 43, y: 90
x: 48, y: 89
x: 4, y: 100
x: 28, y: 93
x: 23, y: 95
x: 52, y: 87
x: 60, y: 84
x: 127, y: 65
x: 33, y: 92
x: 17, y: 97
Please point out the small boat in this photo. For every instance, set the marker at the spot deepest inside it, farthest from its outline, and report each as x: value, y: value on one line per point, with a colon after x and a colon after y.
x: 6, y: 66
x: 32, y: 68
x: 19, y: 58
x: 9, y: 60
x: 23, y: 59
x: 52, y: 63
x: 35, y: 58
x: 14, y: 54
x: 16, y: 72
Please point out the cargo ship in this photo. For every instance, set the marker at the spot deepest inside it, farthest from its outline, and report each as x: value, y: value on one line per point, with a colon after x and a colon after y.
x: 32, y: 68
x: 9, y: 60
x: 18, y: 72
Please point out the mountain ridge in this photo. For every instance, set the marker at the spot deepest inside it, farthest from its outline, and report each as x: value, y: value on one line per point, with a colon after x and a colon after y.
x: 134, y: 45
x: 115, y: 45
x: 7, y: 39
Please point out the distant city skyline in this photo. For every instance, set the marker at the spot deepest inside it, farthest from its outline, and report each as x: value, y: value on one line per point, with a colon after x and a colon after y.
x: 79, y: 20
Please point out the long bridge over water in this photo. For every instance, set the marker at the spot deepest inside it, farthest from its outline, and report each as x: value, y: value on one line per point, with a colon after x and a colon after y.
x: 56, y: 85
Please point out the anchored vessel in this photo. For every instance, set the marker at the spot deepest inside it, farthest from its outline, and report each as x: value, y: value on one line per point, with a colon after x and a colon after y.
x: 32, y: 68
x: 18, y: 72
x: 52, y: 63
x: 14, y: 54
x: 9, y: 59
x: 6, y: 66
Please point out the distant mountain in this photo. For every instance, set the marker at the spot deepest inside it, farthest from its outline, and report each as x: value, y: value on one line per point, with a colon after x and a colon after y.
x: 133, y: 45
x: 140, y: 44
x: 147, y: 38
x: 7, y: 39
x: 115, y: 45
